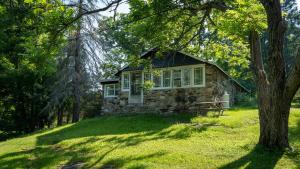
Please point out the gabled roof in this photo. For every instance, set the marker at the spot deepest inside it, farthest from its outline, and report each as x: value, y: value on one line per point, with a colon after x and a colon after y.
x: 173, y: 59
x: 166, y: 59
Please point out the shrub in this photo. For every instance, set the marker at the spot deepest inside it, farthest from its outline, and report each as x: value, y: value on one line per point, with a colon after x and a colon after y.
x: 246, y: 100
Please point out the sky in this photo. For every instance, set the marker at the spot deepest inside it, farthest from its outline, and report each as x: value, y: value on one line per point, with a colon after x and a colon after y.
x: 124, y: 8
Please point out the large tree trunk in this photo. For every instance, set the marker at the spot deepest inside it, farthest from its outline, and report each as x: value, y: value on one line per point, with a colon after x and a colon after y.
x: 273, y: 98
x: 272, y: 103
x: 275, y: 90
x: 77, y: 84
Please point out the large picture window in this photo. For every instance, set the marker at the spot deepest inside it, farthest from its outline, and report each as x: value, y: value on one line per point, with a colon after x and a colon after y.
x: 125, y: 81
x: 177, y: 78
x: 187, y: 73
x: 199, y: 76
x: 166, y: 78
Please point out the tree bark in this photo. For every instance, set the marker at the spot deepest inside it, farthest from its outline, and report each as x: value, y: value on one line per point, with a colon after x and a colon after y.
x: 77, y: 80
x: 273, y: 88
x: 60, y: 115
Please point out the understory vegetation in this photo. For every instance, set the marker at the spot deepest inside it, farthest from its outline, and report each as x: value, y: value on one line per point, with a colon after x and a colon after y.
x: 154, y: 141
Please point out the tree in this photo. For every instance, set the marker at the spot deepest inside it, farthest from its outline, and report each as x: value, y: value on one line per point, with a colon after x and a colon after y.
x: 77, y: 66
x: 183, y: 23
x: 275, y: 88
x: 27, y: 63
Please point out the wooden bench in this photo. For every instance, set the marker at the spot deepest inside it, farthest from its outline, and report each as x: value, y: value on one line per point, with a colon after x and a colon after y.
x: 217, y: 106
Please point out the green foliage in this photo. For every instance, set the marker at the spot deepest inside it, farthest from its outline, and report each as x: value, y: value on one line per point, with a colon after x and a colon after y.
x: 221, y: 37
x: 148, y: 85
x: 245, y: 16
x: 153, y: 141
x: 28, y: 48
x: 92, y: 104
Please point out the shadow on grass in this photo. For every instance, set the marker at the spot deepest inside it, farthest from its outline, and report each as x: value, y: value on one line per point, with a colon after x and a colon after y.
x: 48, y: 152
x: 113, y: 125
x: 120, y: 162
x: 257, y: 158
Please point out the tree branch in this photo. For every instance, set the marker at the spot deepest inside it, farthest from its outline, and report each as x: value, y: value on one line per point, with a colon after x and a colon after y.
x: 65, y: 25
x: 293, y: 80
x: 256, y: 58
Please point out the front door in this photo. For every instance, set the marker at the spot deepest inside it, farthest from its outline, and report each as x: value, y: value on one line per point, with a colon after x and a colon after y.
x: 136, y: 88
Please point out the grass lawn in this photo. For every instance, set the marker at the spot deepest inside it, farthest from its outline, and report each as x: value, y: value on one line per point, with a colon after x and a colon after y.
x: 152, y: 141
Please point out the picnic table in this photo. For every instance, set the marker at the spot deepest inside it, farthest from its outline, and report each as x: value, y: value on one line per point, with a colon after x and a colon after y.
x: 218, y: 106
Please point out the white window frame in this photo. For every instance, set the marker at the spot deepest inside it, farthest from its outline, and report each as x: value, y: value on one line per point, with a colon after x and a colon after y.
x: 122, y: 81
x: 106, y: 93
x: 160, y: 76
x: 191, y: 77
x: 203, y: 76
x: 171, y: 69
x: 170, y: 78
x: 176, y: 69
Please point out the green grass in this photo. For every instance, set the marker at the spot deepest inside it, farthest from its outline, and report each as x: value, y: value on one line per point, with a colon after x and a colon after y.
x: 152, y: 141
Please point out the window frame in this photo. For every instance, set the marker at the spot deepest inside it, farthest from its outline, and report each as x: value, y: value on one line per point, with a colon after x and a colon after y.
x: 160, y: 77
x: 177, y: 69
x: 171, y: 69
x: 203, y: 77
x: 170, y: 78
x: 123, y: 80
x: 106, y: 93
x: 190, y: 78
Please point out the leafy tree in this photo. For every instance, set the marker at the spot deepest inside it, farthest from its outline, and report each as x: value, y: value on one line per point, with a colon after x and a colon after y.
x: 183, y: 23
x: 27, y: 63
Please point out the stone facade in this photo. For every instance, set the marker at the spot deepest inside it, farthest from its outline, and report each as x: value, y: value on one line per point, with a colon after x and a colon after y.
x: 174, y: 99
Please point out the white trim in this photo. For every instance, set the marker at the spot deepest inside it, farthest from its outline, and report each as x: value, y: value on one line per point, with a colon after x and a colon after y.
x: 122, y: 81
x: 142, y: 82
x: 204, y: 78
x: 192, y: 67
x: 171, y: 69
x: 105, y: 91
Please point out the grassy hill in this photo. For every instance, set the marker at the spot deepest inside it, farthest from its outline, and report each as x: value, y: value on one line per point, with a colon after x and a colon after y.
x: 152, y: 141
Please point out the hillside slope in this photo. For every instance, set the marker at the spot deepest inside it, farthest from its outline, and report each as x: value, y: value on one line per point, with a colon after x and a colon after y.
x: 152, y: 141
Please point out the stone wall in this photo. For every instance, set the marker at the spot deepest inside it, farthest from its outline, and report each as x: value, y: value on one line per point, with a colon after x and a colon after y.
x: 173, y: 100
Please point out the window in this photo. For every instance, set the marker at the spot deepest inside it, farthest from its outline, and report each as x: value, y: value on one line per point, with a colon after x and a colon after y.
x: 199, y: 76
x: 147, y: 76
x: 109, y: 90
x: 125, y: 81
x: 186, y: 77
x: 117, y: 89
x: 157, y: 79
x: 166, y: 78
x: 177, y: 78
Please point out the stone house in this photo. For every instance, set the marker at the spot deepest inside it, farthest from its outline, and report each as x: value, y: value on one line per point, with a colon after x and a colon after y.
x: 179, y: 83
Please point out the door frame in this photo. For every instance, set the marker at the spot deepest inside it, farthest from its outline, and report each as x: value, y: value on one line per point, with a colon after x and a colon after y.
x: 142, y: 83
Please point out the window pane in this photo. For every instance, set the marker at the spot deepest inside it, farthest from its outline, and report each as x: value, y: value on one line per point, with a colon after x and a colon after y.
x: 177, y: 78
x: 157, y: 79
x: 110, y: 90
x: 198, y: 76
x: 125, y: 81
x: 147, y: 76
x: 187, y: 77
x: 167, y: 78
x: 117, y: 89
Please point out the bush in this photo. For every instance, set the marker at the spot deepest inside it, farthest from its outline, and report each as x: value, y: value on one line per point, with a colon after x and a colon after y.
x: 92, y: 104
x: 246, y: 100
